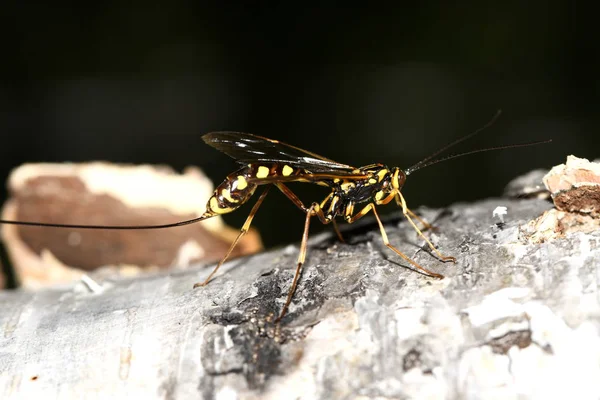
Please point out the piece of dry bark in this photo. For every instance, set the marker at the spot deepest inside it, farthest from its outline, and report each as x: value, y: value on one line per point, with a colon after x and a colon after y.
x: 575, y: 186
x: 107, y: 194
x: 575, y: 191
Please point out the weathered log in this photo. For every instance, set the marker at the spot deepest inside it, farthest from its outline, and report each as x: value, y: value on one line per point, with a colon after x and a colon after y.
x: 513, y: 318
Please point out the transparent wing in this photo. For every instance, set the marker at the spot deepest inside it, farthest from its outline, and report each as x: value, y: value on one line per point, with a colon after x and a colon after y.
x: 251, y: 149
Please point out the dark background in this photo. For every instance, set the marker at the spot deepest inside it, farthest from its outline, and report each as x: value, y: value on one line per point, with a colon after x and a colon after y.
x: 140, y: 83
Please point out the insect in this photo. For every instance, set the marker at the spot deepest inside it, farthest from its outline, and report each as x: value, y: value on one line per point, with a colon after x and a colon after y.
x: 354, y: 192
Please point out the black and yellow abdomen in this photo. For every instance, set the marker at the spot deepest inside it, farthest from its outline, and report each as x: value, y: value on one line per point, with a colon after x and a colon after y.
x: 234, y: 191
x: 238, y: 187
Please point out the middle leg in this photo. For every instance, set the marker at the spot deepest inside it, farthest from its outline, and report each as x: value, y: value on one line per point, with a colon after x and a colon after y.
x: 294, y: 199
x: 314, y: 209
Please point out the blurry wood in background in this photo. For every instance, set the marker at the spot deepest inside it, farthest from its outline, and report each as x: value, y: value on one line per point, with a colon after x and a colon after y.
x: 99, y: 193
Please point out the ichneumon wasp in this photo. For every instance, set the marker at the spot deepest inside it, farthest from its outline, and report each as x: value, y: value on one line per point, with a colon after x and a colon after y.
x: 355, y: 192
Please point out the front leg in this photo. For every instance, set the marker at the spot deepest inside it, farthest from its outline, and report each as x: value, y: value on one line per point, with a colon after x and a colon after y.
x: 407, y: 213
x: 371, y: 207
x: 350, y: 209
x: 426, y: 225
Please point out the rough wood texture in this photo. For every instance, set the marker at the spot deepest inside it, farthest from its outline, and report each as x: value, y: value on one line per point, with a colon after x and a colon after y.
x: 512, y: 319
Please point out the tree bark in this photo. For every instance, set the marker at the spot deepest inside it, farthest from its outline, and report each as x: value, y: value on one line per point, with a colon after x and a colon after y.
x: 512, y: 318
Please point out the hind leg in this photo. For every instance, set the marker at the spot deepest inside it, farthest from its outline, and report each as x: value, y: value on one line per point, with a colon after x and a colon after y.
x: 243, y: 231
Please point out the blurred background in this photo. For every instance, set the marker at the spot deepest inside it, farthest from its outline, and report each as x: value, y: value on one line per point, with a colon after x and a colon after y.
x: 138, y: 82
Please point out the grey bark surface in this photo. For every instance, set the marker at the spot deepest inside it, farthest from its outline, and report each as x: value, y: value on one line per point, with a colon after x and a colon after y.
x: 510, y: 320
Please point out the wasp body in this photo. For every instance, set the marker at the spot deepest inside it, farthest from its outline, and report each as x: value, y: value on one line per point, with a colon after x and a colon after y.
x: 354, y: 191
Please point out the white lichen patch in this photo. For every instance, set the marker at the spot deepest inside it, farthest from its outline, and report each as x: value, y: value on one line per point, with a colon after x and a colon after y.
x: 499, y: 212
x: 557, y: 361
x: 500, y: 304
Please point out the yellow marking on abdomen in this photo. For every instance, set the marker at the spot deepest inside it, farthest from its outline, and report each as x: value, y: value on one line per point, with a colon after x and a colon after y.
x: 227, y: 195
x: 262, y: 172
x: 372, y: 181
x: 213, y: 205
x: 241, y: 183
x: 287, y: 170
x: 224, y: 210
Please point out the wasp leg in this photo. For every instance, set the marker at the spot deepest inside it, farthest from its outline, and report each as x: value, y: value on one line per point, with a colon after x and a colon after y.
x: 407, y: 214
x: 371, y: 207
x: 243, y: 231
x: 337, y: 231
x: 352, y: 218
x: 292, y: 196
x: 404, y: 256
x: 426, y: 225
x: 314, y: 210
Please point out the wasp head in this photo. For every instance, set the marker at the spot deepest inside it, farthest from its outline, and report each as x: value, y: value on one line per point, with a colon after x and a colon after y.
x: 398, y: 177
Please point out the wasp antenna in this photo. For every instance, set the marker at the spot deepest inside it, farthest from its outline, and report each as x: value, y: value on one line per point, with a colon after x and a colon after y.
x: 113, y: 227
x: 420, y: 164
x: 510, y: 146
